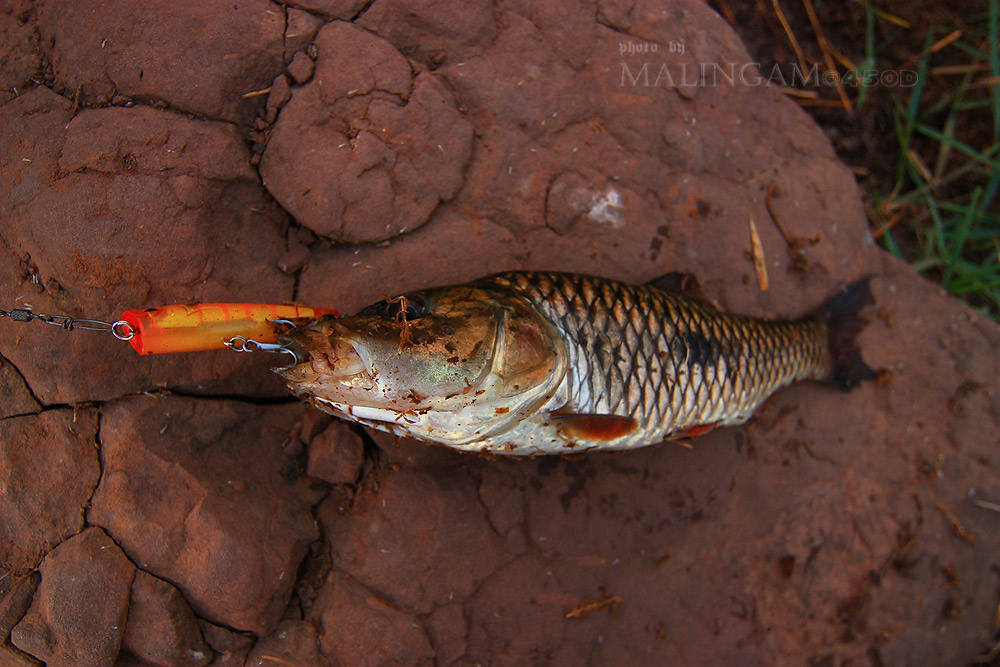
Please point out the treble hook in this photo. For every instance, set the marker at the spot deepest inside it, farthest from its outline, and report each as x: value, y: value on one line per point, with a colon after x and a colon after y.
x: 241, y: 344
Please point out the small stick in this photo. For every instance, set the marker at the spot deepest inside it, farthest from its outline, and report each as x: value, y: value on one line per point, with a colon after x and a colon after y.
x: 759, y: 263
x: 986, y: 505
x: 588, y: 608
x: 256, y: 93
x: 727, y: 12
x: 919, y: 165
x: 805, y: 102
x: 891, y: 18
x: 988, y: 82
x: 841, y: 58
x: 76, y: 101
x: 896, y: 556
x: 934, y: 48
x: 791, y: 35
x: 887, y: 225
x: 959, y: 528
x: 794, y: 242
x: 825, y: 47
x: 802, y: 94
x: 790, y: 240
x: 959, y: 69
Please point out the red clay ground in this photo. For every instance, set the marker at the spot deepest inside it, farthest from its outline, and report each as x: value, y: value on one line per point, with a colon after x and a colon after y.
x: 180, y: 510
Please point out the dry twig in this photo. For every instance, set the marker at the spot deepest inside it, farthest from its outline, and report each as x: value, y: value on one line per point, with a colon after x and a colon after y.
x: 759, y: 262
x: 256, y: 93
x: 791, y: 35
x: 827, y: 50
x: 986, y: 505
x: 934, y: 48
x: 588, y: 608
x: 959, y: 528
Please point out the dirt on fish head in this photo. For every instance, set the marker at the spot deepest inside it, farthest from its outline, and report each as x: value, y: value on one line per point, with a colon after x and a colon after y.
x: 453, y: 364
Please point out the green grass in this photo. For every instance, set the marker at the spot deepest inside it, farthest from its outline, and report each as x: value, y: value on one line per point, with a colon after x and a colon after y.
x: 942, y: 216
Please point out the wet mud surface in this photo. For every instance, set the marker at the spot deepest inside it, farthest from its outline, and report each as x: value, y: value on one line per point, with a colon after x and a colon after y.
x: 182, y: 510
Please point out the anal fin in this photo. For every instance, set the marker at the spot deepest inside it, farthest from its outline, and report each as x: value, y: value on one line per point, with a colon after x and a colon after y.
x: 689, y: 433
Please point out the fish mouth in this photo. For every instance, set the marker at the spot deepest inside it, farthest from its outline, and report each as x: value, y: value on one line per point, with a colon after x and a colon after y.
x: 328, y: 360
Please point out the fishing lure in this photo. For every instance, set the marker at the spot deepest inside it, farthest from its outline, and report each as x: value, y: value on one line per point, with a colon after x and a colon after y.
x: 245, y: 327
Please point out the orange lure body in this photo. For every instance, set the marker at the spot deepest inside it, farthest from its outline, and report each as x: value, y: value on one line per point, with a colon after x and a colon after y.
x: 209, y: 326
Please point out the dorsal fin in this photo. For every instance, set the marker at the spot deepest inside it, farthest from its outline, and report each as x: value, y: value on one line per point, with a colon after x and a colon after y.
x: 600, y: 428
x: 679, y: 282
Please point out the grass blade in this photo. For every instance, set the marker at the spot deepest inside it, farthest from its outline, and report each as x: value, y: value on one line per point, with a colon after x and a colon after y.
x: 994, y: 66
x: 960, y: 236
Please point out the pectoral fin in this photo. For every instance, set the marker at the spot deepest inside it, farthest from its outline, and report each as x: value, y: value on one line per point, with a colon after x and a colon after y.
x: 601, y: 428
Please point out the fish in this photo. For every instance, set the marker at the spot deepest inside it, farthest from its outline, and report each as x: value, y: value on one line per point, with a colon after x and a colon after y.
x: 529, y: 363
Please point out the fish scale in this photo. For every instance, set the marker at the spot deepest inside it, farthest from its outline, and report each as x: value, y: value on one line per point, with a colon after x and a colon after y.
x: 666, y: 361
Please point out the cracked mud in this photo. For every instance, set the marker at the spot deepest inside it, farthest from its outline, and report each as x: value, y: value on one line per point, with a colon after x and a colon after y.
x: 183, y: 510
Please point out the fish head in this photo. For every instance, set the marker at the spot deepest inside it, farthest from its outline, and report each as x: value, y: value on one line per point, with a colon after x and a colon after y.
x: 450, y: 365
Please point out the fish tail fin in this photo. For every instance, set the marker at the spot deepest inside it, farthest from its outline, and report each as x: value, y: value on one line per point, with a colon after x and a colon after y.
x: 842, y: 315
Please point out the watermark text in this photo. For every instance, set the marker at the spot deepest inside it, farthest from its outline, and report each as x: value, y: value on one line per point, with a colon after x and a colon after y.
x: 675, y: 75
x: 633, y: 47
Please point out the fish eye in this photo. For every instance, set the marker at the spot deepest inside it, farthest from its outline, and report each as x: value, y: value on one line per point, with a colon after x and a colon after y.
x: 415, y: 308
